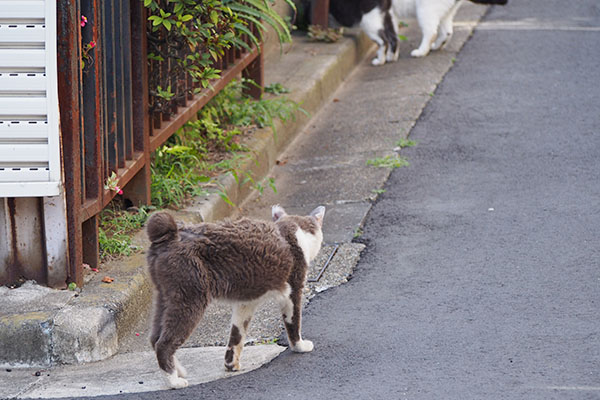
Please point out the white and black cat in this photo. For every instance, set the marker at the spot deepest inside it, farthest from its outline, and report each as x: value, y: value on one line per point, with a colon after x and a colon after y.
x: 242, y: 262
x: 379, y: 20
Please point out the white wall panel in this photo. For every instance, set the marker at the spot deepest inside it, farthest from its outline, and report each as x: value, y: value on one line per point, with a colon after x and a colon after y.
x: 30, y: 163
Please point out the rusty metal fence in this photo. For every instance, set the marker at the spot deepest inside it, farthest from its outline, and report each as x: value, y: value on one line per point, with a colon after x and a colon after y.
x: 108, y: 123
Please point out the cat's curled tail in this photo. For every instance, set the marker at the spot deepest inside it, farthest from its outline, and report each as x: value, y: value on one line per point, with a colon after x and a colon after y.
x: 161, y: 228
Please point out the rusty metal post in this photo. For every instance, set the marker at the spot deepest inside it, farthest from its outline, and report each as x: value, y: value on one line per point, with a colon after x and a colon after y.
x: 255, y: 71
x: 92, y: 130
x: 69, y: 69
x: 90, y: 245
x: 27, y: 253
x: 138, y: 189
x: 320, y: 13
x: 92, y: 118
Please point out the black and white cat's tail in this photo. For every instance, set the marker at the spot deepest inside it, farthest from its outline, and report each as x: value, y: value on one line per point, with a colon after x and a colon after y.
x: 498, y: 2
x: 161, y: 228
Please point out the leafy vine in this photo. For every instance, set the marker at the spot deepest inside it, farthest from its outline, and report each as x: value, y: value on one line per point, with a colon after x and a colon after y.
x: 188, y: 38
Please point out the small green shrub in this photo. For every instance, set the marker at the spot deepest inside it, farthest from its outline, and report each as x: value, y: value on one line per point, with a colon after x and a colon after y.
x: 391, y: 162
x: 188, y: 163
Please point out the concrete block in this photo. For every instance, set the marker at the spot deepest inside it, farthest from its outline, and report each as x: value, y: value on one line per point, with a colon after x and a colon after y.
x: 84, y: 335
x: 26, y: 339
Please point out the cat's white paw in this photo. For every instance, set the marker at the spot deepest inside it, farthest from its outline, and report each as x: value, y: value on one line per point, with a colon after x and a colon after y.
x: 181, y: 371
x: 392, y: 57
x: 174, y: 381
x: 302, y: 346
x: 377, y: 62
x: 437, y: 45
x: 419, y: 53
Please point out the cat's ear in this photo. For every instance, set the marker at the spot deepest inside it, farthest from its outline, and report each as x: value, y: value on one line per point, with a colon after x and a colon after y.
x: 277, y: 212
x: 318, y: 213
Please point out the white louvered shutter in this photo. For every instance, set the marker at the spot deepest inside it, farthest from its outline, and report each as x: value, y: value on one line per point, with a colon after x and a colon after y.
x: 29, y: 119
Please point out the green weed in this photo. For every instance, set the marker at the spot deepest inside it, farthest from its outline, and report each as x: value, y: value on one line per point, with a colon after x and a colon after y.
x: 358, y: 232
x: 276, y: 89
x: 403, y: 143
x: 391, y: 162
x: 193, y: 158
x: 115, y: 229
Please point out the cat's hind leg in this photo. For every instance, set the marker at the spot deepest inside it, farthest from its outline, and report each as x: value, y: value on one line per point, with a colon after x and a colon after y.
x: 429, y: 16
x: 159, y: 307
x: 178, y: 322
x: 291, y: 310
x: 372, y: 24
x: 390, y: 23
x: 240, y: 320
x: 446, y: 28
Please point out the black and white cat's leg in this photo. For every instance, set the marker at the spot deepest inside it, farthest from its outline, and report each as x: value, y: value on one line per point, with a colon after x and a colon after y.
x: 291, y: 310
x: 177, y: 325
x: 390, y: 24
x: 446, y: 28
x: 372, y: 24
x: 240, y: 320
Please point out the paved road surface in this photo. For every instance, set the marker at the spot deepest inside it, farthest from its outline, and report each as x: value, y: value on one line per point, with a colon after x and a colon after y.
x: 481, y: 278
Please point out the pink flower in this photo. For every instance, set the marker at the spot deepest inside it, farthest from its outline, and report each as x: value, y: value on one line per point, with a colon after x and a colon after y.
x: 119, y: 190
x: 83, y: 21
x: 92, y: 44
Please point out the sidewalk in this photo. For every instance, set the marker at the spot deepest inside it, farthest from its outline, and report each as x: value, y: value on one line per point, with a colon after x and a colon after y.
x: 324, y: 165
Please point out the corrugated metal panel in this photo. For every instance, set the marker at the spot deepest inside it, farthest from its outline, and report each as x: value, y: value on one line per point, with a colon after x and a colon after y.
x: 29, y: 131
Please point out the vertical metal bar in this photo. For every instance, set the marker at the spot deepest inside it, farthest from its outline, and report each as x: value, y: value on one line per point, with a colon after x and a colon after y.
x: 255, y: 71
x: 119, y: 81
x: 165, y: 66
x: 92, y: 104
x: 5, y: 244
x: 224, y: 62
x: 138, y: 190
x: 69, y: 69
x: 127, y: 91
x: 90, y: 244
x: 109, y: 86
x: 320, y: 13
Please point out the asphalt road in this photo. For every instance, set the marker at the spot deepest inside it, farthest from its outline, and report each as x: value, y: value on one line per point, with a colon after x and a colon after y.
x: 481, y: 277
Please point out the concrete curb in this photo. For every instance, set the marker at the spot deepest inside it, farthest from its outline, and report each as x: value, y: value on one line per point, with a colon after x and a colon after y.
x: 83, y: 327
x: 137, y: 373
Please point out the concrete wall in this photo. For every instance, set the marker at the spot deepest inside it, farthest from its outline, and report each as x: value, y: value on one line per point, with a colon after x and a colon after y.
x: 33, y: 240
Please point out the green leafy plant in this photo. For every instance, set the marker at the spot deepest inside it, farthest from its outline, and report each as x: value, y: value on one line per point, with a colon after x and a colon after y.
x: 358, y: 232
x: 191, y: 160
x: 115, y: 228
x: 403, y: 143
x: 276, y: 89
x: 188, y: 38
x: 391, y: 162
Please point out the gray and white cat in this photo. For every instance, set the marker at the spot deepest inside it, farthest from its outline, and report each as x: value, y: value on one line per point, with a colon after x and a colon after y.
x: 242, y: 262
x: 379, y: 20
